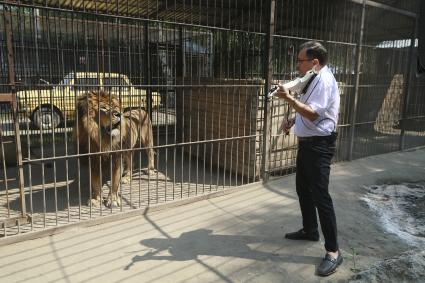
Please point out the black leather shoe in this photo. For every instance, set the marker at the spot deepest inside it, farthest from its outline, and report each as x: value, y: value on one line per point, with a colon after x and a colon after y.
x: 329, y: 264
x: 301, y: 235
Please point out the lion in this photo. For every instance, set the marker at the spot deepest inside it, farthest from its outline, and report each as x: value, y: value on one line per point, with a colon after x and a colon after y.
x: 102, y: 127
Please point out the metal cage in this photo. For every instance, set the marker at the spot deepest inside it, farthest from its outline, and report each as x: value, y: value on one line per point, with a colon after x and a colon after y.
x: 200, y: 70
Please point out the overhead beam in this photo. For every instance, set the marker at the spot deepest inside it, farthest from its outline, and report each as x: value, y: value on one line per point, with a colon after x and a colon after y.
x: 386, y: 7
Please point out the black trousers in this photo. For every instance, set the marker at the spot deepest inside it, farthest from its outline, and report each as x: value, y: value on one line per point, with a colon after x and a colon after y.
x: 312, y: 180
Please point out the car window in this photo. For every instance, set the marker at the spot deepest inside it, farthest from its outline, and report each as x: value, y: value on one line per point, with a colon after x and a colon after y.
x: 86, y: 84
x: 115, y: 84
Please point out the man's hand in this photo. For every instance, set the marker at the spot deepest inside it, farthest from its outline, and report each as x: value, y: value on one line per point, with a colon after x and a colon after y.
x: 287, y: 125
x: 283, y: 93
x: 303, y: 109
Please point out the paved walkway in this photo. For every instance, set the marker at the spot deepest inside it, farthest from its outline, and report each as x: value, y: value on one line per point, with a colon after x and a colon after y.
x: 232, y: 238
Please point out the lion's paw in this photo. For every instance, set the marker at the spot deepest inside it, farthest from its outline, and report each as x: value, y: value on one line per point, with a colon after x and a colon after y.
x: 95, y: 202
x: 113, y: 202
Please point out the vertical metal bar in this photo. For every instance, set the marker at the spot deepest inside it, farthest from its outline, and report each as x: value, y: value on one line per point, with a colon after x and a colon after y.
x: 148, y: 80
x: 198, y: 98
x: 249, y: 111
x: 246, y: 120
x: 224, y: 43
x: 176, y: 70
x: 5, y: 174
x: 77, y: 134
x: 61, y: 61
x: 212, y: 125
x: 120, y: 37
x: 37, y: 29
x: 182, y: 71
x: 50, y: 53
x: 11, y: 73
x: 140, y: 37
x: 22, y: 30
x: 199, y: 65
x: 115, y: 28
x: 148, y: 72
x: 158, y: 76
x: 229, y: 107
x: 229, y: 74
x: 89, y: 150
x: 407, y: 90
x: 233, y: 92
x: 220, y: 122
x: 205, y: 138
x: 357, y: 81
x: 43, y: 183
x: 239, y: 103
x: 268, y: 69
x: 214, y: 43
x: 132, y: 102
x: 272, y: 113
x: 168, y: 79
x: 226, y: 122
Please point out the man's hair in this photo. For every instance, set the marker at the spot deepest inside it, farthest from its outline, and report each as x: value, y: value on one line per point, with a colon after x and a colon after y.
x: 315, y: 50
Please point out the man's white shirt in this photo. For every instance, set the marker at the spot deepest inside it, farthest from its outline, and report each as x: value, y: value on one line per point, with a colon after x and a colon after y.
x: 323, y: 97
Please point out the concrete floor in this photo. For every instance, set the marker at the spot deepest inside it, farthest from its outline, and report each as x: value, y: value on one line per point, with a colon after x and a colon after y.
x: 233, y: 238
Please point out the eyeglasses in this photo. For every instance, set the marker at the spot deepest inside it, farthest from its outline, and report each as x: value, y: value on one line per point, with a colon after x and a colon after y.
x: 302, y: 60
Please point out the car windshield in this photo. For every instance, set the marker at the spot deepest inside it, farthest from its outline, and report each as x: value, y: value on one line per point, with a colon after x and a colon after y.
x: 86, y: 84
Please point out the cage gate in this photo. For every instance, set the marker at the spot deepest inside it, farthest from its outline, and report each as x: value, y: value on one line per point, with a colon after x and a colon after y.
x: 11, y: 149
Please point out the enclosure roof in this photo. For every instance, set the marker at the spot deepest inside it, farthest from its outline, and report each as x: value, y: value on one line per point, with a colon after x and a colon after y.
x: 386, y: 20
x: 197, y: 10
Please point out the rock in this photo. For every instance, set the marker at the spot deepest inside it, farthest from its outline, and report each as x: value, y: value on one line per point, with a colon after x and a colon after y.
x: 407, y: 267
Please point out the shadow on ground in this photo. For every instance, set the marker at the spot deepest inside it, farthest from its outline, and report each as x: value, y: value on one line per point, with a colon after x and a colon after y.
x: 190, y: 245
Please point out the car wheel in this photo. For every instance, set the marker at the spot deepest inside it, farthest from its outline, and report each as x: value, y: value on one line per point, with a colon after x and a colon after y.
x: 46, y: 118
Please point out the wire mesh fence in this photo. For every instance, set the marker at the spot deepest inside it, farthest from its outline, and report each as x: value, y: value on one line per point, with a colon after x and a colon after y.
x: 191, y: 77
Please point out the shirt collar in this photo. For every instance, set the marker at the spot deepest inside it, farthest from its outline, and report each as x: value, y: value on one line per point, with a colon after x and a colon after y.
x: 324, y: 69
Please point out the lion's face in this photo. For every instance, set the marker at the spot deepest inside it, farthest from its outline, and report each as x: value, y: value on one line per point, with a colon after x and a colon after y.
x: 110, y: 119
x: 106, y: 111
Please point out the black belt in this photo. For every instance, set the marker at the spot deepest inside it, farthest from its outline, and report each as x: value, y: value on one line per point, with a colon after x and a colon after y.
x: 316, y: 138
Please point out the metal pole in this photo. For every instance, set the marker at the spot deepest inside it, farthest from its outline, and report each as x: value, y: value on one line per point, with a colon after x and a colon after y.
x: 148, y: 73
x: 407, y: 90
x: 180, y: 70
x: 11, y: 71
x: 268, y: 68
x: 357, y: 82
